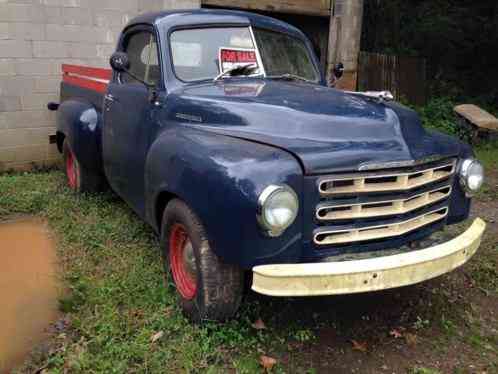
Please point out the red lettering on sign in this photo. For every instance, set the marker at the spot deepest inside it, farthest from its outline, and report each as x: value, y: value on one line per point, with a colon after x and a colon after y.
x: 233, y: 56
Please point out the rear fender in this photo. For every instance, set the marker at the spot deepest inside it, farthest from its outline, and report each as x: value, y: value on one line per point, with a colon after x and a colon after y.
x: 221, y: 178
x: 81, y: 125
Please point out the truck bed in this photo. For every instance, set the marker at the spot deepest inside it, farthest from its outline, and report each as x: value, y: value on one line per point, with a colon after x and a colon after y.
x: 86, y: 82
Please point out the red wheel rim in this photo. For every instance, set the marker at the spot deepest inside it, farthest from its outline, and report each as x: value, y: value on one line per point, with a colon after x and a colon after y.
x: 71, y: 170
x: 182, y: 261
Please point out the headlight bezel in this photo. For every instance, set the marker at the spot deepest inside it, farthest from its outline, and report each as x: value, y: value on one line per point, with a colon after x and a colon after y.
x: 465, y: 168
x: 264, y: 198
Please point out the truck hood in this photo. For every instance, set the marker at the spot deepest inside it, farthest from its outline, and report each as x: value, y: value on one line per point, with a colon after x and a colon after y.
x: 327, y: 130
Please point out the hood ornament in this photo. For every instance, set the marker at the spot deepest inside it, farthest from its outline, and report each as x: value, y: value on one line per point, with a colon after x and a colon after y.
x: 380, y: 96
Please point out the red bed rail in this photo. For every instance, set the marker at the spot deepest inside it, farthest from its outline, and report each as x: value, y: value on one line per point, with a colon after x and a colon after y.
x: 87, y: 77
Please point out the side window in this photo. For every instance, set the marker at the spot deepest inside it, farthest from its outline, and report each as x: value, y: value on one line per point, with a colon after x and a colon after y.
x: 141, y: 48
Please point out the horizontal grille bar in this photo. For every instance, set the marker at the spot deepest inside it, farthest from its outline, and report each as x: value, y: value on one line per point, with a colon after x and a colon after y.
x: 372, y: 182
x: 381, y: 208
x: 378, y: 232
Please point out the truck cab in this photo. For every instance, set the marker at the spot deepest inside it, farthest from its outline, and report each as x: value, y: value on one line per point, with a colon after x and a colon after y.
x: 218, y: 129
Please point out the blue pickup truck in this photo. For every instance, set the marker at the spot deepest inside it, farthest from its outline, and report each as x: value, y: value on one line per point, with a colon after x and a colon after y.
x: 218, y: 129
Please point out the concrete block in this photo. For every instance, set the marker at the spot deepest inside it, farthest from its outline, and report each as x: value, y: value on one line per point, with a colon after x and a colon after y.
x: 7, y: 67
x: 47, y: 84
x: 9, y: 103
x: 64, y: 3
x: 26, y: 31
x: 77, y: 33
x: 6, y: 155
x: 15, y: 49
x: 70, y: 33
x: 54, y: 15
x: 53, y: 152
x: 36, y: 67
x: 27, y: 119
x: 181, y: 4
x: 10, y: 12
x: 37, y: 101
x: 82, y: 50
x: 110, y: 18
x: 105, y: 50
x: 123, y: 5
x: 99, y: 63
x: 49, y: 49
x: 23, y: 153
x: 149, y: 5
x: 76, y: 16
x: 18, y: 137
x: 15, y: 85
x: 4, y: 30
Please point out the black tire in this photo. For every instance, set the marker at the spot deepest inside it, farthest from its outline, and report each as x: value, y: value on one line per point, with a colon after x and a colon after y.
x: 219, y: 286
x: 79, y: 178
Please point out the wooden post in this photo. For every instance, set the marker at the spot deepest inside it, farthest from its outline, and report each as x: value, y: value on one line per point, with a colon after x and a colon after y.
x: 346, y: 18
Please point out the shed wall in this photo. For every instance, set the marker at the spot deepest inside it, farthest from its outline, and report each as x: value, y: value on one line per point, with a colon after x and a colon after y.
x: 36, y: 37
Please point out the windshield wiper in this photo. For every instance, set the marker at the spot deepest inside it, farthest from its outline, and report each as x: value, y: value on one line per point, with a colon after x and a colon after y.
x: 237, y: 70
x: 290, y: 77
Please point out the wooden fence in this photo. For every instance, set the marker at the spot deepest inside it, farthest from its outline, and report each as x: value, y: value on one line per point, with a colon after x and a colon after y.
x: 403, y: 76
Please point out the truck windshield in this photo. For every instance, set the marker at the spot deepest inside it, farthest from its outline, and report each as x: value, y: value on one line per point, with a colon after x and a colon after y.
x: 205, y: 53
x: 284, y: 55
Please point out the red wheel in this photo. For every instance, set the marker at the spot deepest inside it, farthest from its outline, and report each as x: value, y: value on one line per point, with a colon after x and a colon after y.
x: 207, y: 288
x: 71, y: 170
x: 182, y: 261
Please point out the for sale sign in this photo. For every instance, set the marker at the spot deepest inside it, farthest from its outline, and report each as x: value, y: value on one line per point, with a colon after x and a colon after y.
x: 233, y: 57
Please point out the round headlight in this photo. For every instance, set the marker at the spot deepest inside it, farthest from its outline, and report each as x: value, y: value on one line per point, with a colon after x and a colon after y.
x: 277, y: 209
x: 471, y: 176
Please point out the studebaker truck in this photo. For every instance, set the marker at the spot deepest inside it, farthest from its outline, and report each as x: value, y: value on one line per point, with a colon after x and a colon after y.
x: 218, y: 129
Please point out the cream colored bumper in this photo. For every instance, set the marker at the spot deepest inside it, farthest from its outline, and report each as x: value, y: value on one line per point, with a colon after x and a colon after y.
x: 333, y: 278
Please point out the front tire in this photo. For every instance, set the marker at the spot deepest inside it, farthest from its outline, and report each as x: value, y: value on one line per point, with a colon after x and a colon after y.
x: 207, y: 288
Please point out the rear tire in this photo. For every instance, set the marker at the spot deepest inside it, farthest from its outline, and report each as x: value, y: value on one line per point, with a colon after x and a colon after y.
x: 207, y: 288
x: 79, y: 179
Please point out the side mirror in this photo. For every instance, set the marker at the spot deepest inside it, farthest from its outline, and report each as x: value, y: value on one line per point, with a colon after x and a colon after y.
x: 339, y: 70
x: 119, y: 61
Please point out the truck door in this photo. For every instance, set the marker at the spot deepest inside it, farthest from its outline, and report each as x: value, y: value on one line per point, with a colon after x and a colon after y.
x: 129, y: 122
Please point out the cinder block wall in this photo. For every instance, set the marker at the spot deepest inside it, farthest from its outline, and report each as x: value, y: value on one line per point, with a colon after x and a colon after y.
x: 36, y: 37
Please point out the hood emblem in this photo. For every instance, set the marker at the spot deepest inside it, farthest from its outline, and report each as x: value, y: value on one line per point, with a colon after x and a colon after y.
x: 398, y: 164
x: 188, y: 117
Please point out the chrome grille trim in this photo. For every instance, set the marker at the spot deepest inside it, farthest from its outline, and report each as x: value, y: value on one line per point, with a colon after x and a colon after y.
x: 328, y: 212
x: 331, y: 237
x: 374, y: 182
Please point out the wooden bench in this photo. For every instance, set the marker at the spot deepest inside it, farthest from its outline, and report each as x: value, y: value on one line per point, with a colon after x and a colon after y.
x: 476, y: 122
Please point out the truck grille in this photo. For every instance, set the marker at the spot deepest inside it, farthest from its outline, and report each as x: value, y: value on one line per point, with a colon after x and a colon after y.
x: 362, y: 207
x: 384, y: 182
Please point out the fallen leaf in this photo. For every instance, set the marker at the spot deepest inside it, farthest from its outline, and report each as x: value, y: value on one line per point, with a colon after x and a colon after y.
x: 267, y: 362
x: 158, y: 335
x: 168, y: 311
x: 395, y: 333
x: 259, y: 324
x: 411, y: 339
x: 359, y: 346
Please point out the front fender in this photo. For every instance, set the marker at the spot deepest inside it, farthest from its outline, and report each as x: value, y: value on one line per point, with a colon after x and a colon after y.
x: 81, y: 124
x: 221, y: 178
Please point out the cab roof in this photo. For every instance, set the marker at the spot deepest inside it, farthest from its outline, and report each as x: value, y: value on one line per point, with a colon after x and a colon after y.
x: 211, y: 17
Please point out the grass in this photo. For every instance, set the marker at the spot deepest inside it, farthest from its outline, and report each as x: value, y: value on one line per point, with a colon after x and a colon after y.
x: 115, y: 300
x: 117, y: 297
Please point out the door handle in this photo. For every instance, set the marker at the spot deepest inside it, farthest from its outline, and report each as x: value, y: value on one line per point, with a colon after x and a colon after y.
x: 109, y: 97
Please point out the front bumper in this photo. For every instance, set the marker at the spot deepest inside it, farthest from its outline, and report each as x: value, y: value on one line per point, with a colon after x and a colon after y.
x: 334, y: 278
